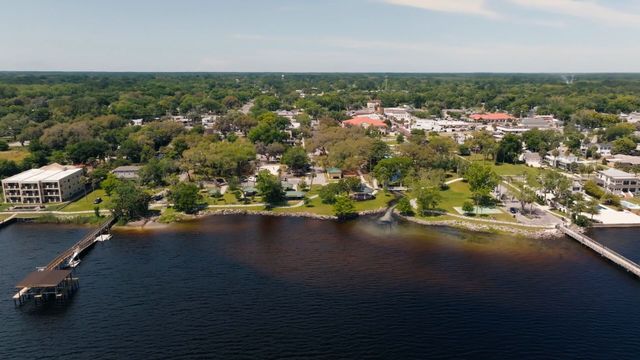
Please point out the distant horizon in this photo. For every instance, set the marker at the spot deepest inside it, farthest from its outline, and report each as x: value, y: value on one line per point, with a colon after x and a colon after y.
x: 292, y: 36
x: 327, y: 72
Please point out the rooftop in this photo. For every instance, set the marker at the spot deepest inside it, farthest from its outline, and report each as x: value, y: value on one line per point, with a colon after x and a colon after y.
x: 45, y: 278
x: 359, y: 121
x: 614, y: 173
x: 492, y: 116
x: 53, y: 172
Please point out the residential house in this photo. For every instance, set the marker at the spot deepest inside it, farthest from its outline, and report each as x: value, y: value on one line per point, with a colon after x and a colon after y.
x: 334, y: 173
x: 129, y: 172
x: 618, y: 182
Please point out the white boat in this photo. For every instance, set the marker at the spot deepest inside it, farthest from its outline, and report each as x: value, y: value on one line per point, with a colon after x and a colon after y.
x: 73, y: 260
x: 103, y: 237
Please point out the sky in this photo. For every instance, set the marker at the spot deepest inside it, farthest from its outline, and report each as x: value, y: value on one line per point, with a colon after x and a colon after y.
x: 321, y: 35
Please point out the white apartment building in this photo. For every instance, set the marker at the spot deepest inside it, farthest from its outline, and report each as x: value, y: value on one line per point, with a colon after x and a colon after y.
x: 619, y: 182
x: 51, y: 183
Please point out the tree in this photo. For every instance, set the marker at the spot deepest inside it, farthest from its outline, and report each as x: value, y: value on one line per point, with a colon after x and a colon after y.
x: 509, y: 149
x: 392, y: 169
x: 344, y: 208
x: 428, y: 198
x: 481, y: 177
x: 185, y: 197
x: 592, y: 189
x: 3, y: 145
x: 156, y: 171
x: 329, y: 192
x: 8, y: 168
x: 404, y: 207
x: 270, y: 188
x: 623, y: 146
x: 84, y: 151
x: 592, y: 208
x: 225, y: 159
x: 129, y: 202
x: 110, y: 183
x: 468, y: 208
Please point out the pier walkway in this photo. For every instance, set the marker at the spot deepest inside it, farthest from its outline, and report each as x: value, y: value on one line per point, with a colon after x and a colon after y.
x: 80, y: 246
x: 55, y: 280
x: 605, y: 252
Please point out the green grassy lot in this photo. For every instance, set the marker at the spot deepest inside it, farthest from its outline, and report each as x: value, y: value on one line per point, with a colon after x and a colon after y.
x: 15, y: 154
x: 506, y: 169
x: 86, y: 203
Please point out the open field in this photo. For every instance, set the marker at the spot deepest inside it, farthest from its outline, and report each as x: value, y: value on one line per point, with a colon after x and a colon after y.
x: 86, y: 203
x: 15, y: 154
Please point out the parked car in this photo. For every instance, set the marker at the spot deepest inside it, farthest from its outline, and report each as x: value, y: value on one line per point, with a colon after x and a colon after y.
x: 513, y: 210
x: 97, y: 200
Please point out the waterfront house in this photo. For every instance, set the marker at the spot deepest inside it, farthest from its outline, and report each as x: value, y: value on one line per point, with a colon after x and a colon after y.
x: 618, y: 182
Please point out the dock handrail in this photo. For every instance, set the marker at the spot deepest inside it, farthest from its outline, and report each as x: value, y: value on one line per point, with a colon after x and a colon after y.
x: 81, y: 245
x: 604, y: 251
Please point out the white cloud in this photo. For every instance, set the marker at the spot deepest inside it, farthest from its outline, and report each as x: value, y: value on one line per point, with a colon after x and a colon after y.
x: 471, y: 7
x: 585, y: 9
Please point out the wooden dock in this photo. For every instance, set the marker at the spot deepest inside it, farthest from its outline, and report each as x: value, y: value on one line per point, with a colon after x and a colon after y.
x: 55, y: 280
x: 605, y: 252
x: 80, y: 246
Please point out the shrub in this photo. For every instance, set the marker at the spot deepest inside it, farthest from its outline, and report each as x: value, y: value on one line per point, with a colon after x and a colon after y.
x: 592, y: 189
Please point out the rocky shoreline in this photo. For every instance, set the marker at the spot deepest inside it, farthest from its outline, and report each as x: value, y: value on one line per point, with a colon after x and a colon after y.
x: 488, y: 228
x: 459, y: 224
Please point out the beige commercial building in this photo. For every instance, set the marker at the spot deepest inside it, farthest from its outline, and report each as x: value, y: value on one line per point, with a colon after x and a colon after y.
x: 51, y: 183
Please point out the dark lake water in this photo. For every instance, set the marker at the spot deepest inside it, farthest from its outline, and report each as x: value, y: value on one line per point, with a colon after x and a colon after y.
x: 272, y: 288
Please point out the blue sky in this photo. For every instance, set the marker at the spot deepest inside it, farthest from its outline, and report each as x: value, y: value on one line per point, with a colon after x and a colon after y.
x: 321, y: 35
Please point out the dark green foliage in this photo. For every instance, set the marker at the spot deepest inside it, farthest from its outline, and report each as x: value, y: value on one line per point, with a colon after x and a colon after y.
x: 185, y: 197
x: 344, y: 208
x: 129, y: 202
x: 270, y: 188
x: 509, y: 149
x: 404, y: 207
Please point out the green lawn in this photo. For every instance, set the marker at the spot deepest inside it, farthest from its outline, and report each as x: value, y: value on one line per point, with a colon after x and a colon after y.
x: 86, y: 203
x: 506, y: 169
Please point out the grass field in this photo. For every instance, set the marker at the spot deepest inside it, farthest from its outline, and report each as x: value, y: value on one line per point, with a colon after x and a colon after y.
x: 86, y: 203
x: 505, y: 169
x: 16, y: 154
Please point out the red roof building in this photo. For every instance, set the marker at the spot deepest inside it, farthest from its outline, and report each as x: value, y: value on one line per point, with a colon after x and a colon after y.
x: 364, y: 122
x: 492, y: 117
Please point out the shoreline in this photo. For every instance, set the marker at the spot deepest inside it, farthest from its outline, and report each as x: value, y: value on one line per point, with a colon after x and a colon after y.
x: 486, y: 228
x: 153, y: 224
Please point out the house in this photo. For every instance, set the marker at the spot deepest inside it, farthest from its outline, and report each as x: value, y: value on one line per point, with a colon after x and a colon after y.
x: 185, y: 121
x: 373, y: 105
x: 492, y: 117
x: 399, y: 114
x: 51, y: 183
x: 618, y: 182
x: 208, y: 121
x: 601, y: 149
x: 136, y: 122
x: 561, y: 162
x: 365, y: 122
x: 532, y: 159
x: 129, y: 172
x: 334, y: 173
x: 623, y: 160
